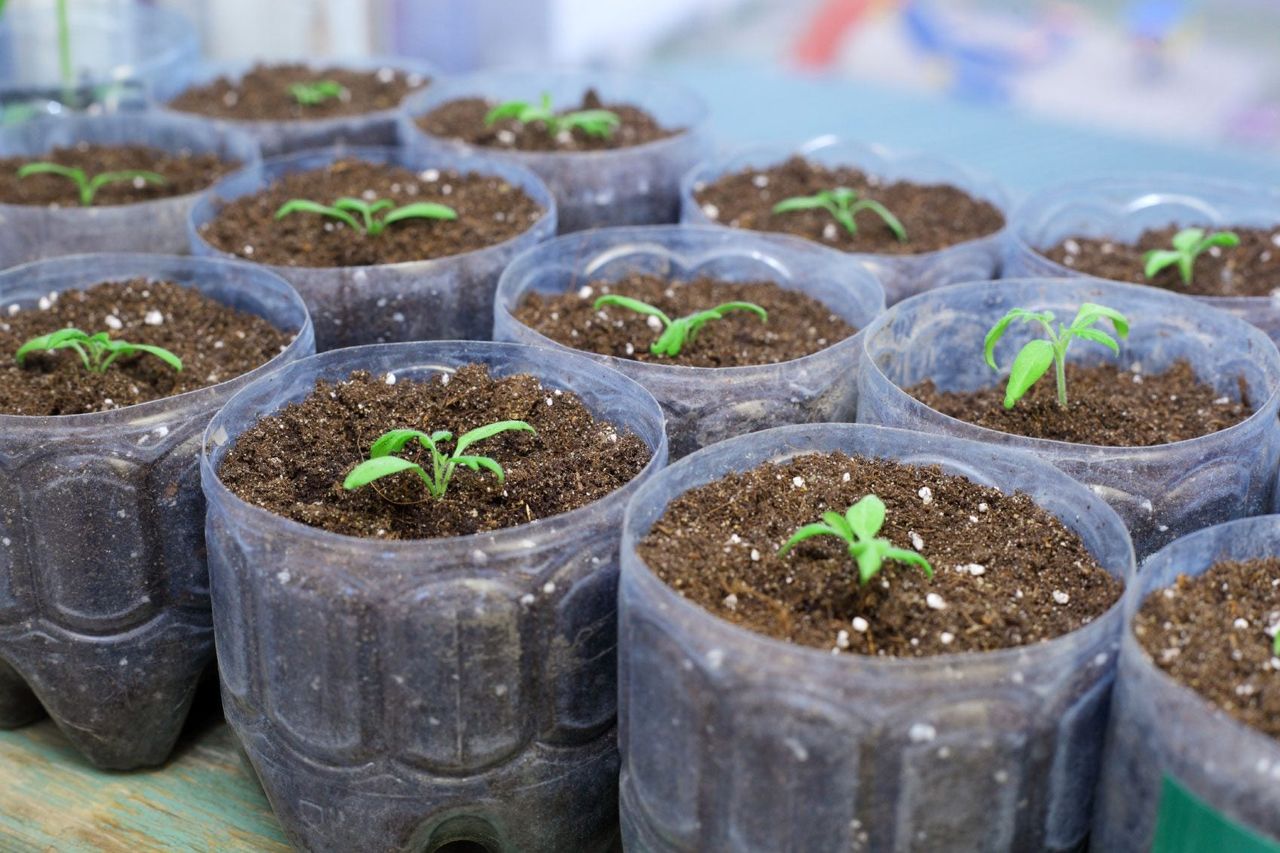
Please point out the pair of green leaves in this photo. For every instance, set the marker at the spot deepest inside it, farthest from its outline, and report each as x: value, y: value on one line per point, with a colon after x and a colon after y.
x: 1188, y: 244
x: 843, y: 204
x: 676, y: 333
x: 370, y: 223
x: 88, y: 186
x: 858, y: 528
x: 598, y: 123
x: 315, y: 92
x: 97, y: 352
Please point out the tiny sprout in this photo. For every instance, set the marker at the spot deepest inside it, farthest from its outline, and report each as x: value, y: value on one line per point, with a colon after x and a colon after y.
x: 382, y: 464
x: 1188, y: 244
x: 315, y: 92
x: 370, y: 225
x: 96, y: 351
x: 843, y: 204
x: 87, y: 186
x: 1275, y: 643
x: 676, y: 333
x: 858, y: 528
x: 1034, y: 359
x: 600, y: 123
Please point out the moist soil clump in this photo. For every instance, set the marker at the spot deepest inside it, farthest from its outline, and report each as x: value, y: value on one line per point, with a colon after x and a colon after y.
x: 1250, y: 269
x: 1213, y: 633
x: 463, y: 119
x: 798, y: 325
x: 293, y: 462
x: 183, y: 174
x: 216, y: 343
x: 490, y: 211
x: 935, y: 216
x: 1107, y: 405
x: 263, y: 94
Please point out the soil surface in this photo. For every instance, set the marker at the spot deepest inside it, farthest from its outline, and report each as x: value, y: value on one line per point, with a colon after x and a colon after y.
x: 183, y: 174
x: 935, y: 216
x: 216, y: 343
x: 1214, y: 634
x: 293, y: 463
x: 489, y: 209
x: 798, y: 325
x: 464, y: 119
x: 262, y: 94
x: 1006, y: 573
x: 1107, y: 405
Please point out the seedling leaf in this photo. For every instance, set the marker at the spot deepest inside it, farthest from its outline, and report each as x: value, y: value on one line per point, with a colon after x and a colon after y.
x: 843, y: 204
x: 375, y: 469
x: 1032, y: 362
x: 1188, y: 244
x: 858, y: 528
x: 676, y: 333
x: 382, y: 464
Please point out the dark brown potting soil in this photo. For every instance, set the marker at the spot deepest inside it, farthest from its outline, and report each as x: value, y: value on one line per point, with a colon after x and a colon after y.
x: 798, y: 325
x: 1250, y: 269
x: 216, y: 343
x: 182, y: 173
x: 1107, y: 405
x: 935, y: 216
x: 464, y: 119
x: 262, y: 94
x: 1214, y: 634
x: 489, y: 209
x: 293, y: 463
x: 1006, y: 573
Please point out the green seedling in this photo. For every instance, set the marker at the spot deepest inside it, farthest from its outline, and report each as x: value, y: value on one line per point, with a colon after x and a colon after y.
x: 88, y: 186
x: 382, y: 464
x: 1275, y: 644
x: 1035, y: 358
x: 676, y: 333
x: 369, y: 222
x: 97, y: 352
x: 843, y: 204
x: 1188, y: 244
x: 315, y: 92
x: 599, y: 123
x: 858, y: 528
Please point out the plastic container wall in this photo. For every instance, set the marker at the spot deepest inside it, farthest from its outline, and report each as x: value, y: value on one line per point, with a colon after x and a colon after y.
x: 637, y: 185
x: 704, y: 405
x: 104, y: 603
x: 441, y: 298
x: 901, y: 275
x: 735, y: 741
x: 1159, y: 727
x: 404, y: 695
x: 1161, y: 492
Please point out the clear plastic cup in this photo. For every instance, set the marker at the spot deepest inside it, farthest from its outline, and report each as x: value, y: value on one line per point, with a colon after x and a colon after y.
x: 104, y: 602
x: 735, y: 741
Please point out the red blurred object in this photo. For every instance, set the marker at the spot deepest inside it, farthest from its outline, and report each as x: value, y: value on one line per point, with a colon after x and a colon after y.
x: 818, y: 46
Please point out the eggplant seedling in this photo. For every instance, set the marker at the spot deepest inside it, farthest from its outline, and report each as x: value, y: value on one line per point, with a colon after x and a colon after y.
x: 316, y: 92
x: 382, y: 464
x: 97, y: 352
x: 843, y: 204
x: 1188, y: 244
x: 676, y: 333
x: 1036, y: 356
x: 370, y: 223
x: 89, y: 186
x: 858, y: 528
x: 599, y: 123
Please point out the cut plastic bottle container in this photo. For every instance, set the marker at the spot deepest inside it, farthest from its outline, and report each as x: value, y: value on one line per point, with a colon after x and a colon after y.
x: 435, y: 299
x: 637, y: 185
x: 1122, y: 208
x: 104, y: 603
x: 901, y: 275
x: 704, y: 405
x: 735, y: 741
x: 31, y: 232
x: 409, y: 695
x: 1161, y: 492
x: 377, y: 128
x: 1160, y: 727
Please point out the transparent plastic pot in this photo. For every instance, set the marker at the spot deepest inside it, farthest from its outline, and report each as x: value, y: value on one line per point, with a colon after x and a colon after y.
x: 439, y: 298
x: 735, y: 741
x: 1161, y: 728
x: 704, y: 405
x: 33, y: 232
x: 1161, y: 492
x: 638, y: 185
x: 1121, y: 208
x: 377, y: 128
x: 104, y: 603
x: 406, y: 695
x: 901, y: 275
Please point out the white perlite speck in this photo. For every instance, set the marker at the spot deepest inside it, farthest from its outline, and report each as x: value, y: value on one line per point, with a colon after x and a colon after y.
x: 755, y: 555
x: 548, y: 588
x: 917, y: 541
x: 113, y: 322
x: 946, y: 638
x: 585, y: 291
x: 1060, y: 596
x: 860, y: 625
x: 153, y: 318
x: 731, y: 601
x: 842, y: 639
x: 935, y: 601
x: 921, y: 732
x: 391, y: 379
x: 798, y: 482
x: 829, y: 231
x: 1240, y: 624
x: 653, y: 323
x: 711, y: 211
x: 926, y: 494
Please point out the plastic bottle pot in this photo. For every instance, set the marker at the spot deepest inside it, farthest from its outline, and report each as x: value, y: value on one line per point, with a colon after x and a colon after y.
x: 104, y: 603
x: 704, y: 405
x: 439, y: 298
x: 407, y: 694
x: 734, y: 741
x: 1162, y: 492
x: 636, y: 185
